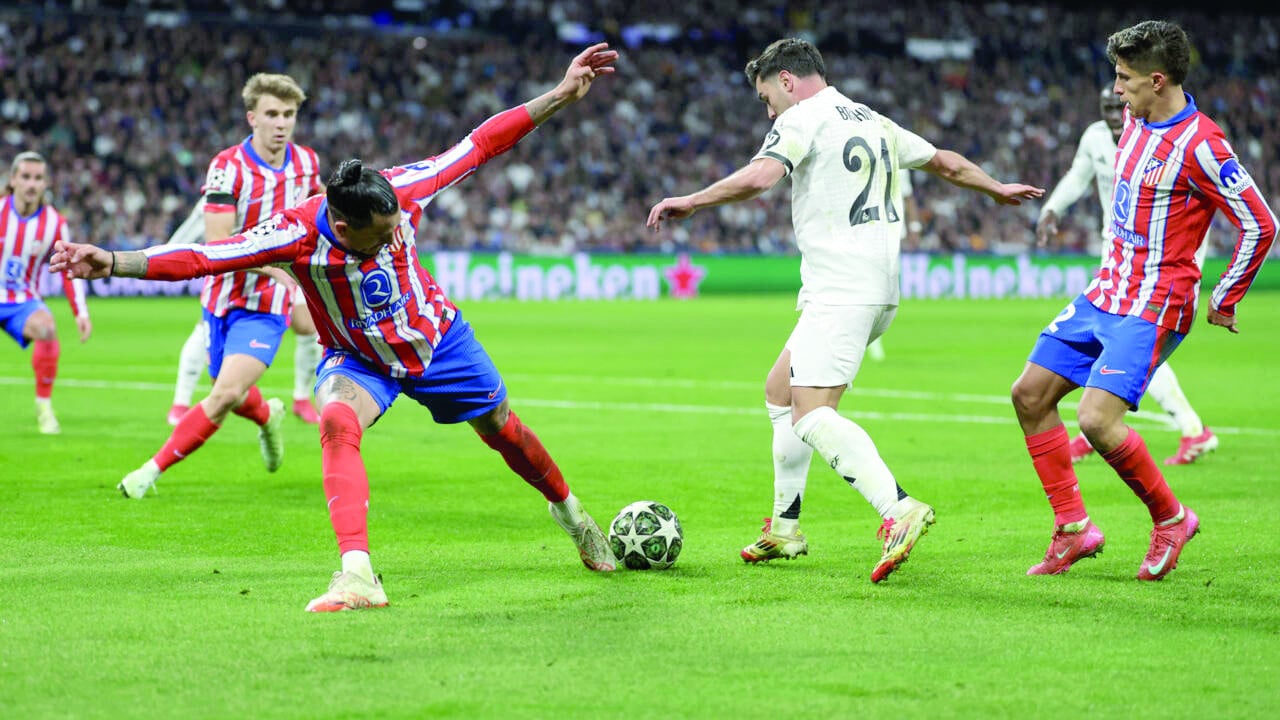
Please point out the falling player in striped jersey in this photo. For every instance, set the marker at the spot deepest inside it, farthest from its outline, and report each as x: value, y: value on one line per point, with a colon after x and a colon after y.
x: 387, y: 326
x: 245, y: 184
x: 1095, y: 163
x: 845, y: 162
x: 29, y: 228
x: 1173, y: 171
x: 245, y: 312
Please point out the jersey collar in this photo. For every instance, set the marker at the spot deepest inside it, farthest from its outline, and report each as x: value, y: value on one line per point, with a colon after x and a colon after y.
x: 13, y: 208
x: 253, y: 155
x: 322, y: 226
x: 1186, y: 112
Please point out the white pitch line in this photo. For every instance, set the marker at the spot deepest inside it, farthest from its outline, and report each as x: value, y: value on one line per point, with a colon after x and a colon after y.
x: 1149, y: 421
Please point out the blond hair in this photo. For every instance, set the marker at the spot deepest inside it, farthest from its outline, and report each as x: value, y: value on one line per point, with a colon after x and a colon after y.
x: 26, y: 156
x: 275, y: 85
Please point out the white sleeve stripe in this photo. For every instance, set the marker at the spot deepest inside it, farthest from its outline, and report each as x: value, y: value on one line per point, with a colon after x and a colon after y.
x: 78, y: 291
x: 228, y: 250
x: 444, y: 162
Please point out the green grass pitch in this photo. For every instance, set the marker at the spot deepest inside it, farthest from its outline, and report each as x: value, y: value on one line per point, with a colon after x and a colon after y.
x: 189, y: 604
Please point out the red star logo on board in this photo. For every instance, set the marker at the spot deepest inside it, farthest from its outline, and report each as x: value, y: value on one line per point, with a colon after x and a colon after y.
x: 684, y: 277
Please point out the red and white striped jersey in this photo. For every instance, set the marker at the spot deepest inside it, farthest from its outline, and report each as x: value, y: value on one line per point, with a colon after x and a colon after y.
x: 1171, y: 177
x: 25, y: 246
x: 239, y: 181
x: 386, y: 308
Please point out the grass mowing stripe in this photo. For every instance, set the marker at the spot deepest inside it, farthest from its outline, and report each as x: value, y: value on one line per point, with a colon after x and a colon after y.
x: 1153, y: 421
x: 189, y: 603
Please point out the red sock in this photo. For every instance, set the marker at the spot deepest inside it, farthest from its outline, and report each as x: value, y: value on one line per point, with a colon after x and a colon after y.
x: 192, y: 431
x: 1052, y: 460
x: 254, y: 407
x: 525, y: 454
x: 1133, y: 462
x: 346, y: 484
x: 44, y: 361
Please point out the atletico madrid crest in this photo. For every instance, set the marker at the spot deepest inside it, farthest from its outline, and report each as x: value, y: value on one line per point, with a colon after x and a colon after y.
x: 1154, y: 173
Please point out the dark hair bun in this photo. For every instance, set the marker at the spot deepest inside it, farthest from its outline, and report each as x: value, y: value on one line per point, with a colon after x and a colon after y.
x: 348, y: 172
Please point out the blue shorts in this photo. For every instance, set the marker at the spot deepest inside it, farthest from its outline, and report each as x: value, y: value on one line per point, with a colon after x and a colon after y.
x: 460, y: 383
x: 1093, y: 348
x: 242, y: 332
x: 13, y: 316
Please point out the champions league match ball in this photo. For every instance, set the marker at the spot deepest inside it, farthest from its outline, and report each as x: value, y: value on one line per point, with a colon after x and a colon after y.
x: 646, y: 535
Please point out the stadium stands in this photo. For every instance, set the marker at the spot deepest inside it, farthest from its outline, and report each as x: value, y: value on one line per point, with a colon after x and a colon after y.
x: 130, y: 105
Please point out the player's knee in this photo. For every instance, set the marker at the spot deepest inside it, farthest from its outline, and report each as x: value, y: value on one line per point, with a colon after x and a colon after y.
x: 223, y: 400
x: 776, y: 396
x: 41, y: 327
x: 1094, y: 423
x: 1027, y: 398
x: 339, y: 425
x: 492, y: 422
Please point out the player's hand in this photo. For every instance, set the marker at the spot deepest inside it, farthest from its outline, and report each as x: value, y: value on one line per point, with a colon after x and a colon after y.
x: 1046, y: 228
x: 1015, y: 193
x: 590, y: 64
x: 1226, y: 321
x: 78, y: 260
x: 84, y: 326
x: 677, y: 208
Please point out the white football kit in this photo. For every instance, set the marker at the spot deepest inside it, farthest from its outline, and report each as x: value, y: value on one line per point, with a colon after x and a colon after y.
x: 846, y: 164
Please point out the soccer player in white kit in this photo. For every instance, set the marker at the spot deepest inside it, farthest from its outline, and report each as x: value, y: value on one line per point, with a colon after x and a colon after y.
x: 1095, y: 161
x: 845, y: 162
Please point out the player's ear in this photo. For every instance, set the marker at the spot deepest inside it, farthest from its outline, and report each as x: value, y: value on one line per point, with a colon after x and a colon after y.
x: 1158, y: 81
x: 340, y: 228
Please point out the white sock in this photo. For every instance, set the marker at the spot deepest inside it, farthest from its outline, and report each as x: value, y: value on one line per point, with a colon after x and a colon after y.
x: 306, y: 356
x: 190, y: 363
x: 791, y: 458
x: 357, y: 562
x: 44, y: 402
x: 1166, y: 391
x: 849, y: 451
x: 569, y: 512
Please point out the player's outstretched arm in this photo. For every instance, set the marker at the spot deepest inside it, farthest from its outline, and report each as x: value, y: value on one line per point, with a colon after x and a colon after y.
x: 89, y: 262
x: 745, y: 183
x: 590, y: 64
x: 960, y: 171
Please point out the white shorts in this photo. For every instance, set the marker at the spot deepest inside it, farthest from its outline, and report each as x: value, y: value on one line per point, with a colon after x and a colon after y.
x: 829, y: 341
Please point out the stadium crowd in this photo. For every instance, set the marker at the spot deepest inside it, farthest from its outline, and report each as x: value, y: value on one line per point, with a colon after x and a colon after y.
x: 129, y: 106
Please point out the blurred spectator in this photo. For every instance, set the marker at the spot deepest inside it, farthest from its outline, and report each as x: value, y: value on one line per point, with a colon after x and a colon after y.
x: 130, y: 105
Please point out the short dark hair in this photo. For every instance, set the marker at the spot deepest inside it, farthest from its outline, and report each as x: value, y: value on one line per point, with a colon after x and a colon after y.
x: 796, y: 56
x: 357, y: 193
x: 1151, y: 46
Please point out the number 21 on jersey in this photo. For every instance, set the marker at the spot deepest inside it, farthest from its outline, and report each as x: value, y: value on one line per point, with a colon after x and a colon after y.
x: 857, y: 153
